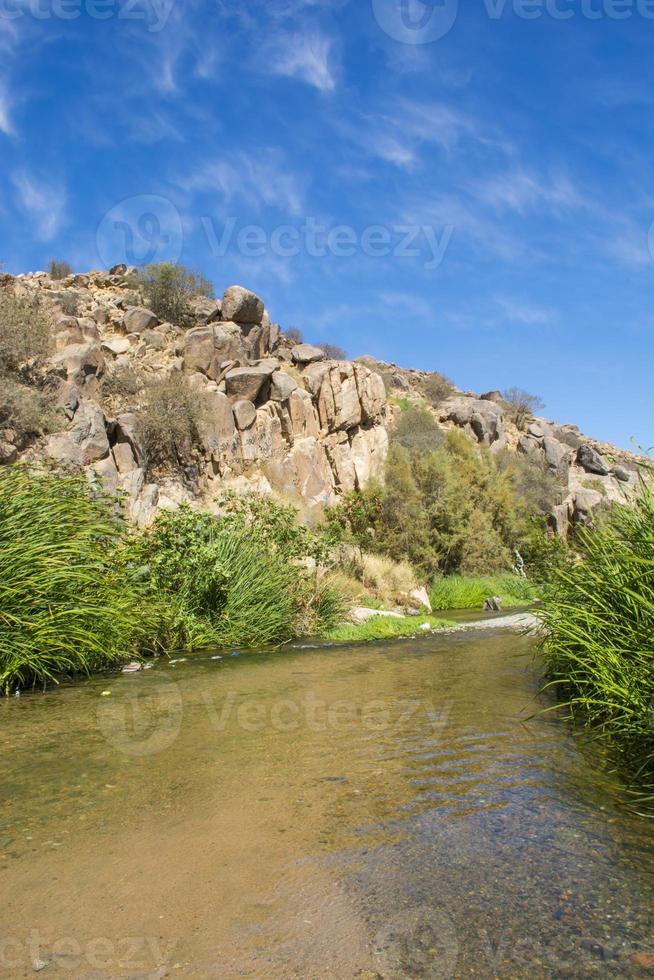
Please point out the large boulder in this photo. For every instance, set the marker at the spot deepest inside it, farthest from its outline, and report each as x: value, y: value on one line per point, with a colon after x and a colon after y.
x: 557, y: 455
x: 82, y: 363
x: 591, y: 461
x: 585, y: 502
x: 86, y: 440
x: 303, y: 414
x: 207, y: 348
x: 244, y: 414
x: 372, y: 393
x: 306, y: 471
x: 282, y: 386
x: 338, y: 402
x: 137, y: 319
x: 307, y: 354
x: 247, y: 382
x: 242, y: 306
x: 369, y: 452
x: 339, y: 454
x: 480, y: 418
x: 217, y: 428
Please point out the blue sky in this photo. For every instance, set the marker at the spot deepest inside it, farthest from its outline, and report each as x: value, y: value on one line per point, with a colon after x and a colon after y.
x: 464, y: 188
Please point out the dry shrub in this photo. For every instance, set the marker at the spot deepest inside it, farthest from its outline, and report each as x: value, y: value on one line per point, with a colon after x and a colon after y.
x: 388, y: 580
x: 169, y: 422
x: 436, y: 388
x: 59, y: 269
x: 26, y: 412
x: 25, y: 332
x: 122, y: 381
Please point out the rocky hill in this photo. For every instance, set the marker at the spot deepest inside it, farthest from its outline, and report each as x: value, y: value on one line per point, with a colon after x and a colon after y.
x: 277, y: 416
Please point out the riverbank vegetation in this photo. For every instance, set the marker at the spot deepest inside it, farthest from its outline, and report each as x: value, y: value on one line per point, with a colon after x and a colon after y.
x: 599, y: 639
x: 448, y: 506
x: 80, y: 590
x: 65, y: 606
x: 459, y: 592
x: 386, y: 628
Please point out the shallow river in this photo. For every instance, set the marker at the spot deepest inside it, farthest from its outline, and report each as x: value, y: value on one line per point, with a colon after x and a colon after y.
x: 374, y: 811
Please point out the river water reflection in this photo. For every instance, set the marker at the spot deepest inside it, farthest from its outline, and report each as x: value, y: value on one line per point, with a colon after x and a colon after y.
x: 373, y: 811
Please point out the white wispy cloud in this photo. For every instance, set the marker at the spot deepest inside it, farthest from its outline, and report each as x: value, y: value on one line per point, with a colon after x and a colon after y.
x: 261, y: 180
x: 522, y: 189
x: 6, y: 125
x: 44, y: 204
x: 525, y: 313
x: 308, y: 56
x: 400, y: 132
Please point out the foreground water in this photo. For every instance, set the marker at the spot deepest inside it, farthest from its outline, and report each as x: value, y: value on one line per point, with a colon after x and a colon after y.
x: 374, y: 811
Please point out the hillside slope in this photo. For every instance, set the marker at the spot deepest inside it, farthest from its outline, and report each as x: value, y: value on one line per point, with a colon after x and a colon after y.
x: 263, y: 413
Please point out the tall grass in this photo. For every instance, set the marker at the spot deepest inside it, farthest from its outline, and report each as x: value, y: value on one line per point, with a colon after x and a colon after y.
x: 599, y: 644
x: 461, y: 592
x: 385, y: 628
x: 64, y: 605
x: 217, y: 581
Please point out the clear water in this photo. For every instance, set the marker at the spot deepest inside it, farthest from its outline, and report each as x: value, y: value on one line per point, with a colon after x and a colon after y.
x: 374, y: 811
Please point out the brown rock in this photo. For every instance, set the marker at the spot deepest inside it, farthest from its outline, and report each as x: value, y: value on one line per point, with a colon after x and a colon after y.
x: 307, y: 354
x: 282, y: 386
x: 242, y: 306
x: 244, y: 414
x: 137, y: 319
x: 246, y: 382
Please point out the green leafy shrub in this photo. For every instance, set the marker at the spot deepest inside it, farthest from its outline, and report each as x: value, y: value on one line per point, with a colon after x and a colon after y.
x: 275, y: 526
x: 217, y: 581
x: 65, y: 605
x: 168, y: 289
x: 599, y: 635
x: 417, y: 430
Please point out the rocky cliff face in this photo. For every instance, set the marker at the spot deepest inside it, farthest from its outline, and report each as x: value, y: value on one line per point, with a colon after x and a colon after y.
x: 281, y: 418
x: 589, y: 473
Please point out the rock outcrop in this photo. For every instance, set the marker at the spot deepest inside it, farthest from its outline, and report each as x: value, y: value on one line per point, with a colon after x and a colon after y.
x: 277, y: 417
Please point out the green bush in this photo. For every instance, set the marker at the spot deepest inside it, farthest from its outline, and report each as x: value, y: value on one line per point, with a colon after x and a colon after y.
x: 417, y: 430
x: 65, y: 605
x: 219, y: 582
x: 599, y: 635
x: 168, y: 289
